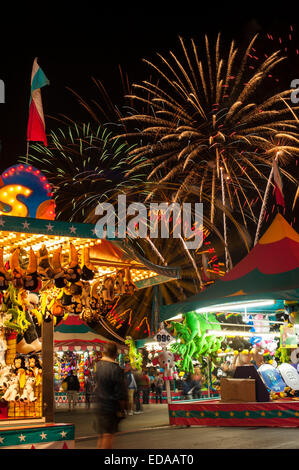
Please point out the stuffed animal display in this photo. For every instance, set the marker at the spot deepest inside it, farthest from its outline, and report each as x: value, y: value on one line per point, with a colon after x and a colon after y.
x: 18, y: 381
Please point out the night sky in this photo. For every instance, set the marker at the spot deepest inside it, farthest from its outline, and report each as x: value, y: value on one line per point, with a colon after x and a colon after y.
x: 70, y: 57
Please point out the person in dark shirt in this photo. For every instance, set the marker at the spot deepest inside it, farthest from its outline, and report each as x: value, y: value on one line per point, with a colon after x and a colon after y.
x: 111, y: 396
x: 73, y: 387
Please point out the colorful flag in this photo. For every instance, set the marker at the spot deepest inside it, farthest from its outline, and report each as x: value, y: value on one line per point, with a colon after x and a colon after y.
x: 278, y: 185
x: 36, y: 122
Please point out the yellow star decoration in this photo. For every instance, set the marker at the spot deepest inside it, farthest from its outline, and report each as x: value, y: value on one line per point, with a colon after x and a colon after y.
x: 247, y: 413
x: 263, y: 413
x: 216, y: 414
x: 187, y: 413
x: 173, y: 413
x: 297, y: 413
x: 279, y: 413
x: 231, y: 413
x: 202, y: 414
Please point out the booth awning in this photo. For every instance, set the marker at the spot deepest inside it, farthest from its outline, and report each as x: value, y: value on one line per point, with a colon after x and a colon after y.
x: 269, y: 271
x: 74, y: 334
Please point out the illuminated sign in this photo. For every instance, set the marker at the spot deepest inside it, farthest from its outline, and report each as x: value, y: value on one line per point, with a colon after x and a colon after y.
x: 25, y: 192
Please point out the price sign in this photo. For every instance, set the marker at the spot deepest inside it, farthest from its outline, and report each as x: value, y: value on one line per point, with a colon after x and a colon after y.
x: 163, y: 337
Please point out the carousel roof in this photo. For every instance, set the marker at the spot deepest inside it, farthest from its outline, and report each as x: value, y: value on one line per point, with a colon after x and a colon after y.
x: 269, y: 271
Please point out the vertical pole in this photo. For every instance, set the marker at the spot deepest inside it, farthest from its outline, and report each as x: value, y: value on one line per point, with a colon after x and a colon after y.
x: 224, y: 222
x: 48, y: 373
x: 209, y: 394
x: 27, y: 152
x: 168, y: 392
x: 167, y: 385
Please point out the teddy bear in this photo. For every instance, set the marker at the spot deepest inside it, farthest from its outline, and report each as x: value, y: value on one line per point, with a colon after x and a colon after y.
x: 12, y: 390
x: 28, y: 391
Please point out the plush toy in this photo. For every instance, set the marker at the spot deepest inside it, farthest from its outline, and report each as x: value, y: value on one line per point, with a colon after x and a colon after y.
x: 3, y: 346
x: 134, y: 356
x: 119, y: 282
x: 73, y: 271
x: 35, y: 368
x: 108, y: 289
x: 28, y: 391
x: 129, y: 287
x: 5, y: 374
x: 87, y: 268
x: 12, y: 389
x: 166, y: 362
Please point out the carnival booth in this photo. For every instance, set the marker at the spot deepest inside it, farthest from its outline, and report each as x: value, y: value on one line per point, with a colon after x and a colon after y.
x: 48, y: 270
x: 262, y: 291
x: 77, y: 347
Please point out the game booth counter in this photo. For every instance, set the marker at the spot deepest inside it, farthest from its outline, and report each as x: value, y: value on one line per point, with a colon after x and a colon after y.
x: 50, y: 269
x: 262, y: 291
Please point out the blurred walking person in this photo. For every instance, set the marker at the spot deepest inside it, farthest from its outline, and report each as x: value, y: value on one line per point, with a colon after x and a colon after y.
x: 111, y: 396
x: 88, y: 389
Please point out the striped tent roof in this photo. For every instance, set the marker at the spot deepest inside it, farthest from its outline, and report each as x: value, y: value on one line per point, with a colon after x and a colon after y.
x: 74, y: 334
x: 269, y: 271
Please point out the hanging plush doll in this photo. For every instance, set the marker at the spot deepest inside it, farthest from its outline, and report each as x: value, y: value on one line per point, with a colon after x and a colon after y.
x: 17, y: 272
x: 32, y: 280
x: 108, y: 289
x: 130, y: 287
x: 88, y: 269
x: 95, y: 301
x: 119, y: 285
x: 73, y: 271
x: 44, y: 268
x: 59, y: 274
x: 4, y: 273
x: 28, y: 341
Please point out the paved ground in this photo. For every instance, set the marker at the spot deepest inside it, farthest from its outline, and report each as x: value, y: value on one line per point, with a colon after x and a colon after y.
x: 151, y: 430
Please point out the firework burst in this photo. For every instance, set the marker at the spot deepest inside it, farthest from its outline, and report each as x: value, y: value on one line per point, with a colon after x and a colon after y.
x: 202, y: 117
x: 84, y: 166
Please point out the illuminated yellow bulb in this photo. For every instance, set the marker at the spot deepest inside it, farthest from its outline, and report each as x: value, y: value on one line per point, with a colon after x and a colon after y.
x: 27, y: 191
x: 11, y: 188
